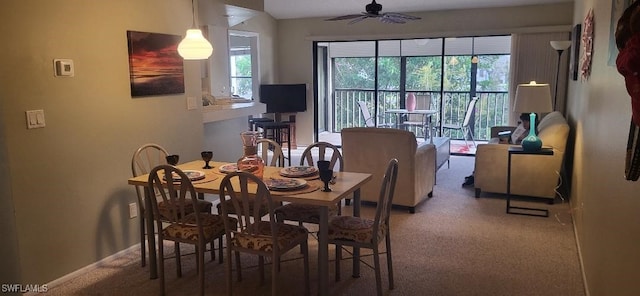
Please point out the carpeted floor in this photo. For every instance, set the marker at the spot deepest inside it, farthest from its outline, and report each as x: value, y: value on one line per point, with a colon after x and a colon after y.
x: 454, y: 244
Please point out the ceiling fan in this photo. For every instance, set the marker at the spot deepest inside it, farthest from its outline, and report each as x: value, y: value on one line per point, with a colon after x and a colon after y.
x: 373, y: 11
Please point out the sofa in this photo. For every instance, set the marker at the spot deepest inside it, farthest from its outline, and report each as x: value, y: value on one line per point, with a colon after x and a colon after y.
x: 369, y: 149
x: 531, y: 175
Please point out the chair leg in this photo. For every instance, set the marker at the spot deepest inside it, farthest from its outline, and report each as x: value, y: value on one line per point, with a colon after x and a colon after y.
x: 213, y: 249
x: 261, y: 269
x: 143, y: 244
x: 274, y: 272
x: 201, y: 251
x: 238, y: 266
x: 220, y: 250
x: 389, y: 261
x: 228, y: 273
x: 338, y: 258
x: 178, y: 259
x: 307, y: 289
x: 161, y: 265
x: 376, y: 261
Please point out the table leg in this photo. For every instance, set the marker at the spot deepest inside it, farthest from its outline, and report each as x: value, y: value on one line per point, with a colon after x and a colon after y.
x: 151, y: 236
x: 356, y: 251
x: 323, y: 252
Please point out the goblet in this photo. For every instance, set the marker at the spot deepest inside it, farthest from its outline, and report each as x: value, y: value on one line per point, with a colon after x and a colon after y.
x: 323, y: 165
x: 207, y: 156
x: 326, y: 176
x: 173, y: 159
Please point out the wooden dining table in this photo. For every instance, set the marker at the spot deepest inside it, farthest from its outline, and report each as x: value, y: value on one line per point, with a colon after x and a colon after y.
x: 347, y: 184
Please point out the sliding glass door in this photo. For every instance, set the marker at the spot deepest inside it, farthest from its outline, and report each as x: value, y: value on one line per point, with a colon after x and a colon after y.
x: 378, y: 75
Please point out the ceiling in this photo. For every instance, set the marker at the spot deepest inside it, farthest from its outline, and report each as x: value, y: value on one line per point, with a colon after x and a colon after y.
x: 288, y: 9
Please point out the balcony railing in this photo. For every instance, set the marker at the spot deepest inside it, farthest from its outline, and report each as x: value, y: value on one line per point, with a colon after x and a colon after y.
x: 491, y: 109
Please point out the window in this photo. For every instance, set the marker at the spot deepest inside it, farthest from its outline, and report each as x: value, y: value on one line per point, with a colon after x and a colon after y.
x: 243, y: 47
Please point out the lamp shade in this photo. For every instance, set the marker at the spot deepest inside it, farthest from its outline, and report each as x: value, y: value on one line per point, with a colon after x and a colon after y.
x: 533, y: 98
x: 194, y: 46
x: 560, y: 45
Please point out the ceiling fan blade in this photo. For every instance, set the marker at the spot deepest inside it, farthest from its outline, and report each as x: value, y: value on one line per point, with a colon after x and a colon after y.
x: 345, y: 17
x: 357, y: 20
x: 391, y: 20
x: 402, y: 16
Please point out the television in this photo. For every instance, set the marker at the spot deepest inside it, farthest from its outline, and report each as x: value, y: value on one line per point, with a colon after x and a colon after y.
x: 284, y: 98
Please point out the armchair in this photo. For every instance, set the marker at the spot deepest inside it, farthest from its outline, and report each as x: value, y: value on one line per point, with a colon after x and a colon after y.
x: 368, y: 150
x: 531, y: 175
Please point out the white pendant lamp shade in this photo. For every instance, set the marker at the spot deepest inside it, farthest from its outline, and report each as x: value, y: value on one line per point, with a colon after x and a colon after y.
x: 194, y: 46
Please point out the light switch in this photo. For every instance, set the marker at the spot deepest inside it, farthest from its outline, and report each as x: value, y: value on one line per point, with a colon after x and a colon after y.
x: 192, y: 103
x: 63, y: 67
x: 35, y: 119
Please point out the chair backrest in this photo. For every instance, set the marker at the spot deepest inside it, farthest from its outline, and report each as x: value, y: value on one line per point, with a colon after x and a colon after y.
x: 179, y: 198
x: 245, y: 191
x: 322, y: 148
x: 469, y: 112
x: 147, y: 157
x: 383, y: 209
x: 276, y: 156
x: 368, y: 120
x: 423, y: 102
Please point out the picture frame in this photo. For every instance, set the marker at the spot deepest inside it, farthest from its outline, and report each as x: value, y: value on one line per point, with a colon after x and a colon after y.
x: 155, y: 67
x: 576, y: 35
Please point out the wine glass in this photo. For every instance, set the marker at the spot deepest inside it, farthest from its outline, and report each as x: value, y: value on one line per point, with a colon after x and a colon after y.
x: 326, y: 176
x: 207, y: 156
x: 173, y: 159
x: 323, y: 165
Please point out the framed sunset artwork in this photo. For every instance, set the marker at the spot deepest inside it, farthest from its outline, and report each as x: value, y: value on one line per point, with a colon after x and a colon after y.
x: 155, y: 68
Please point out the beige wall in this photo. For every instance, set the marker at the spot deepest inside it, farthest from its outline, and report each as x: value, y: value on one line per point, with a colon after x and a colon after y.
x: 295, y: 38
x: 66, y: 183
x: 605, y: 206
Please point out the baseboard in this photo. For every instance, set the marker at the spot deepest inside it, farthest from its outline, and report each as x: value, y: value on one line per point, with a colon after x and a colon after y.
x: 88, y: 268
x: 584, y: 275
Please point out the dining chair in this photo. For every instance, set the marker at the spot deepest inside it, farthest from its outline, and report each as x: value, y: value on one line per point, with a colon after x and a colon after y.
x: 360, y: 232
x: 271, y: 152
x: 253, y: 235
x: 184, y: 222
x: 419, y: 121
x: 464, y: 125
x: 143, y: 161
x: 310, y: 213
x: 368, y: 119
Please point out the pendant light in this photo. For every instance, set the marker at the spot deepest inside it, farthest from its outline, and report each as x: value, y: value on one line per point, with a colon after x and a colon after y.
x: 194, y: 46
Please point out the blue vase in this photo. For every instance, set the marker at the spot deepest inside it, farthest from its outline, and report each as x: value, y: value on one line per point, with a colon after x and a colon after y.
x: 531, y: 142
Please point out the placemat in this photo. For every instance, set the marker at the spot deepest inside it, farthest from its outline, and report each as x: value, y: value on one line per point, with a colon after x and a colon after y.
x: 311, y: 187
x: 277, y: 175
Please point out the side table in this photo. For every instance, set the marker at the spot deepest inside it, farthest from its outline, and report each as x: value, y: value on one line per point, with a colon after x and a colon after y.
x: 519, y: 151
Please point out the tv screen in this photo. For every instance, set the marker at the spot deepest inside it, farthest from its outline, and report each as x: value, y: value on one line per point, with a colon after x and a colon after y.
x: 284, y: 98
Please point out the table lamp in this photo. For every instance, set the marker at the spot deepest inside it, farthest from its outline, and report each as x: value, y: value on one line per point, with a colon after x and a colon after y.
x: 532, y: 98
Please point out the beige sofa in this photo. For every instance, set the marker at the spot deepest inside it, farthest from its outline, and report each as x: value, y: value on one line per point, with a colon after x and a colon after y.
x: 369, y: 149
x: 531, y: 175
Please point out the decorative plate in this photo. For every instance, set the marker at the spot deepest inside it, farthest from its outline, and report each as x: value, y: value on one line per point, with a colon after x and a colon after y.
x: 228, y: 168
x: 192, y: 174
x: 285, y: 184
x: 298, y: 171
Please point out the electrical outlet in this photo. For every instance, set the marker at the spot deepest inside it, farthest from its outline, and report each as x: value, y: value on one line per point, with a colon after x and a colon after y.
x: 133, y: 210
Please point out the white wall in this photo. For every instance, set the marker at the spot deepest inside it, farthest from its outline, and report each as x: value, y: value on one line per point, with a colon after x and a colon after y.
x: 66, y: 183
x: 605, y: 205
x: 295, y: 38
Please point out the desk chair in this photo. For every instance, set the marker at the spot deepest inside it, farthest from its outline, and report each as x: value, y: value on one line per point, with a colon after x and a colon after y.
x: 255, y: 235
x: 367, y: 233
x: 143, y: 161
x: 280, y: 132
x: 464, y: 125
x: 368, y: 119
x: 184, y: 223
x: 419, y: 121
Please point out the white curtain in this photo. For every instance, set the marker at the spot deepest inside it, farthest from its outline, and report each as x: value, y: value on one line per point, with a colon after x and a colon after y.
x: 533, y: 58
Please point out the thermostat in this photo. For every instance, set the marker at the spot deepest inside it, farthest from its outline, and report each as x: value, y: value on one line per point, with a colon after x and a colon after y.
x: 63, y: 67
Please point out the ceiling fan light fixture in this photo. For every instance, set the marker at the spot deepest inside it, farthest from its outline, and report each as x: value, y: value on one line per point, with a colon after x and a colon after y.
x: 373, y: 11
